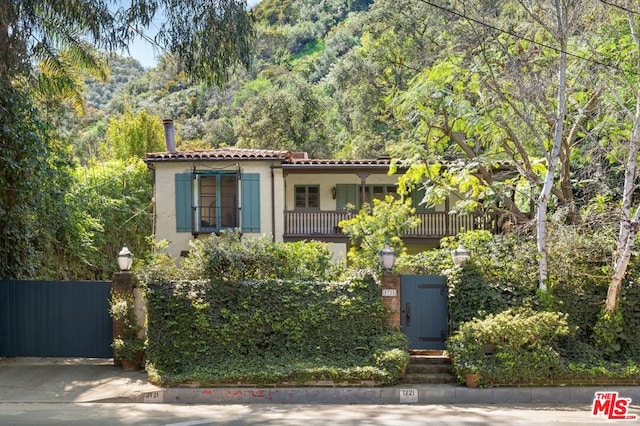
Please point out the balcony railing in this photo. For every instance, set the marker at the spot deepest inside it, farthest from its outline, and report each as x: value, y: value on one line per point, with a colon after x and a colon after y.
x: 432, y: 224
x: 314, y: 223
x: 213, y: 219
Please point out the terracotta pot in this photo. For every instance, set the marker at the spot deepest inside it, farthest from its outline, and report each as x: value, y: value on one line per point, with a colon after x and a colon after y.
x: 130, y: 365
x: 471, y: 380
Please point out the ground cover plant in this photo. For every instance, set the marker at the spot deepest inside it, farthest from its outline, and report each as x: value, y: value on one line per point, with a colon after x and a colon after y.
x: 256, y: 316
x: 509, y: 332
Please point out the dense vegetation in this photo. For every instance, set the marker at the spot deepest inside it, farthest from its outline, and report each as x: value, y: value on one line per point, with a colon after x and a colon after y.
x: 47, y: 50
x: 419, y: 80
x: 536, y: 337
x: 528, y: 111
x: 227, y: 324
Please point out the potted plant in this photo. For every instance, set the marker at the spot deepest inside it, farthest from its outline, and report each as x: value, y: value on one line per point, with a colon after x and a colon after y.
x: 129, y: 351
x: 468, y: 358
x: 471, y: 376
x: 128, y: 346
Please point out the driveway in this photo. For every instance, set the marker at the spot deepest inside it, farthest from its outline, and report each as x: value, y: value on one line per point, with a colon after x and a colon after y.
x: 69, y: 380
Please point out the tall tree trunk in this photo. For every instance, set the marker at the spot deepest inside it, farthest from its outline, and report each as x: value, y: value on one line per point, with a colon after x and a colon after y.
x: 5, y: 49
x: 552, y: 158
x: 628, y: 225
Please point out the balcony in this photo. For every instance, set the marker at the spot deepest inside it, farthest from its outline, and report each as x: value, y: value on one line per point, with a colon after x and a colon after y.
x: 214, y: 219
x: 323, y: 225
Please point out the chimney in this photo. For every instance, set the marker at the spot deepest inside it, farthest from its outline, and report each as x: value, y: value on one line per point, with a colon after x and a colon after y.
x: 168, y: 135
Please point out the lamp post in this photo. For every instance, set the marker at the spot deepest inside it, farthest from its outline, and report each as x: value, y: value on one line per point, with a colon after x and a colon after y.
x: 460, y: 255
x: 387, y: 257
x: 125, y: 259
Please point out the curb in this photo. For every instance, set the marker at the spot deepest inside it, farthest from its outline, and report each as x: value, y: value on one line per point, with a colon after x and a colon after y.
x: 433, y: 394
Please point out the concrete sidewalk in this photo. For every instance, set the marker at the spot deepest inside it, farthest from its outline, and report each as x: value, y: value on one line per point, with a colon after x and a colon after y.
x: 65, y: 380
x: 69, y: 380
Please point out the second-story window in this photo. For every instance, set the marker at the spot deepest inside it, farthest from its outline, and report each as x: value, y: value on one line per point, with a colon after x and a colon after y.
x: 307, y: 197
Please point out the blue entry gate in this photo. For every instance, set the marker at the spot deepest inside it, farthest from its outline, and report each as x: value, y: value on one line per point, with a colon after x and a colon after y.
x: 424, y: 317
x: 55, y: 319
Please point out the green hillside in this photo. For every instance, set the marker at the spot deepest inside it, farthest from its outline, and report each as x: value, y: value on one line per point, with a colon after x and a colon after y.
x: 301, y: 88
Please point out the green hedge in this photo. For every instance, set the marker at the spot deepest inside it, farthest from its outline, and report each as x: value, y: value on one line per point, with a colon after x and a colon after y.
x: 502, y: 274
x: 270, y: 331
x: 514, y: 346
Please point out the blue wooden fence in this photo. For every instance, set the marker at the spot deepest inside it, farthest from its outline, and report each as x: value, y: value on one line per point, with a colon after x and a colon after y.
x: 55, y: 319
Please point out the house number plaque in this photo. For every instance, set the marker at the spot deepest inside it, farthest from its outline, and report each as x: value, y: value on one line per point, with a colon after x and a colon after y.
x: 389, y: 292
x: 408, y: 395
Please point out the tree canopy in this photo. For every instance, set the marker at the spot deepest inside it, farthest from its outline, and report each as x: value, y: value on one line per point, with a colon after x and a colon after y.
x: 206, y: 38
x: 465, y: 93
x: 47, y: 48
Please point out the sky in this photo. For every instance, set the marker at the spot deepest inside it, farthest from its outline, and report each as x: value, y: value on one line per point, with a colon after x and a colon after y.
x: 146, y: 53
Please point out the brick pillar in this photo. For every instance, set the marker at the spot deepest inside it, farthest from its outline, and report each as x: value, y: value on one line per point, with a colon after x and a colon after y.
x: 391, y: 298
x: 123, y: 283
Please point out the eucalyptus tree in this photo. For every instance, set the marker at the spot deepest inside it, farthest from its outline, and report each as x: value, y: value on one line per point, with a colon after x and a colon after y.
x: 206, y: 38
x: 500, y: 91
x: 624, y: 136
x: 561, y: 19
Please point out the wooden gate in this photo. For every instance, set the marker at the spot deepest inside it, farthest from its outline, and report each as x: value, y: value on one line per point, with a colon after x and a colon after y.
x: 424, y: 316
x: 55, y: 319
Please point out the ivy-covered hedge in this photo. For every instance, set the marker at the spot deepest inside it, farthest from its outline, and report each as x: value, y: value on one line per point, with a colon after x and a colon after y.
x: 502, y: 276
x: 214, y: 332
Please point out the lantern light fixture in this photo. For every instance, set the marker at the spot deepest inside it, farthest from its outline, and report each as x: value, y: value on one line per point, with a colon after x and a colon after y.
x: 460, y: 255
x: 387, y: 257
x: 125, y: 259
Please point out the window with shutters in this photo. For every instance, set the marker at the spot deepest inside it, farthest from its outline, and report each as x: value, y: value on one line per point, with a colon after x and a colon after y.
x: 218, y: 202
x: 208, y: 202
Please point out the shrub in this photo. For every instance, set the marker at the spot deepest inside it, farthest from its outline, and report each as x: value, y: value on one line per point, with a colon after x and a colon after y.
x: 514, y: 346
x: 374, y: 226
x: 228, y: 257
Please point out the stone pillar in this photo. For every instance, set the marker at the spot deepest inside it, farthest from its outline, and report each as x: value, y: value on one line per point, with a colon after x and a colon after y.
x: 391, y: 298
x: 123, y: 283
x: 140, y: 309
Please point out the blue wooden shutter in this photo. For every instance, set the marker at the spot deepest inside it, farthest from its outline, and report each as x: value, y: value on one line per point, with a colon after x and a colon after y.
x: 346, y: 194
x: 417, y: 196
x: 250, y: 202
x: 184, y: 202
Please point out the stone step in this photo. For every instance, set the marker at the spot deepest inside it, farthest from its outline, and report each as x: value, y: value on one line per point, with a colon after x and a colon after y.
x: 430, y: 352
x: 428, y: 367
x: 429, y: 359
x: 440, y: 368
x: 428, y: 379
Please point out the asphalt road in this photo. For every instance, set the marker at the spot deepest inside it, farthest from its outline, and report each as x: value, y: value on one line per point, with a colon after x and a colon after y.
x: 98, y: 414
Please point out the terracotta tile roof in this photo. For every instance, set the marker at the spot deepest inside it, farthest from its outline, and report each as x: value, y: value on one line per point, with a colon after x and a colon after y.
x: 329, y: 162
x: 220, y: 154
x: 290, y: 160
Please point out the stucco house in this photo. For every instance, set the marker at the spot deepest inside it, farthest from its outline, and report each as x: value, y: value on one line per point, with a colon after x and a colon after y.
x: 279, y: 193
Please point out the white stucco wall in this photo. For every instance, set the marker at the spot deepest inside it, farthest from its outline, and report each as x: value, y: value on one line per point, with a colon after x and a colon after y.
x: 164, y: 197
x: 328, y: 181
x: 273, y: 186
